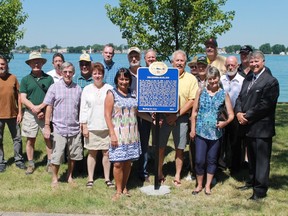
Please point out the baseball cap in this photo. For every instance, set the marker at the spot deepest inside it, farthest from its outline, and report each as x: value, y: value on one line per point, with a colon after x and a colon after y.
x: 246, y: 49
x: 85, y: 57
x: 202, y: 59
x: 135, y: 49
x: 211, y: 41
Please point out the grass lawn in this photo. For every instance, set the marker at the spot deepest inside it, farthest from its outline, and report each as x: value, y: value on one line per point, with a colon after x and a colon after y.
x: 21, y: 193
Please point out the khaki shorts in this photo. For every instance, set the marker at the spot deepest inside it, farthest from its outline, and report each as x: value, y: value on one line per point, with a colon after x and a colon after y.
x: 74, y: 148
x: 97, y: 140
x: 31, y: 124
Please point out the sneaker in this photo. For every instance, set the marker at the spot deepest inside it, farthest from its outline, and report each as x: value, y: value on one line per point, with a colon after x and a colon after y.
x: 49, y: 168
x: 30, y: 169
x: 2, y: 167
x: 21, y: 165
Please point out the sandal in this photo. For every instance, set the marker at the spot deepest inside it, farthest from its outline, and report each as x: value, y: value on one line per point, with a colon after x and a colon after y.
x: 177, y: 183
x: 116, y: 196
x: 126, y: 193
x: 89, y: 184
x: 109, y: 184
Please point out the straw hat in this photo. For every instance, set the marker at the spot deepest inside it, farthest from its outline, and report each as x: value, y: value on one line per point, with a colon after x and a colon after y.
x: 35, y: 55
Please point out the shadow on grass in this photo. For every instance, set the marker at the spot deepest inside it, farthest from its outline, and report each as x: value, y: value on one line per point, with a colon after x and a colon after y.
x: 278, y: 181
x: 281, y: 115
x: 37, y: 156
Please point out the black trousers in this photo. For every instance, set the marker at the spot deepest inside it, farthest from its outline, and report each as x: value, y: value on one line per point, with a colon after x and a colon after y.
x: 259, y: 155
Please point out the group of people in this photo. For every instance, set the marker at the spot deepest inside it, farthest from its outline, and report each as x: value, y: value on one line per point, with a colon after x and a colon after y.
x: 97, y: 110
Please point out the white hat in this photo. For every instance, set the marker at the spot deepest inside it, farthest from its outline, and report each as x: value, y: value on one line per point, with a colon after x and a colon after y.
x: 35, y: 55
x: 135, y: 49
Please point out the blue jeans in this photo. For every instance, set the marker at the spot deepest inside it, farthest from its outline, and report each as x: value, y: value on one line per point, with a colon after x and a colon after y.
x: 14, y: 129
x: 206, y: 152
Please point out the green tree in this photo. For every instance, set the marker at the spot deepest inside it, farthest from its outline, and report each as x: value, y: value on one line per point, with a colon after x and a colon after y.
x: 11, y: 17
x: 168, y: 25
x: 232, y: 48
x: 278, y: 48
x: 77, y: 49
x: 265, y: 48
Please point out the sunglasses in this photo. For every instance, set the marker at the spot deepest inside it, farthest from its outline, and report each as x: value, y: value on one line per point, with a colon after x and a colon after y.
x: 82, y: 64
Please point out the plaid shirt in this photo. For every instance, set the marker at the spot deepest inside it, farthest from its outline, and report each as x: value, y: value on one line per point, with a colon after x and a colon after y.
x: 65, y: 101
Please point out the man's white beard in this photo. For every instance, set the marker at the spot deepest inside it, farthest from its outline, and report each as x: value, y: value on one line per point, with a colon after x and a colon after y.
x: 232, y: 73
x: 135, y: 64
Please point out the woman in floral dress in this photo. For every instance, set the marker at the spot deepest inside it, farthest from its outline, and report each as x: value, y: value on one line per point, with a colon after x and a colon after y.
x: 121, y: 118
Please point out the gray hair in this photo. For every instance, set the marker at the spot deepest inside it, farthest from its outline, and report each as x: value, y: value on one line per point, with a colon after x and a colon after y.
x: 150, y: 50
x: 212, y: 71
x: 179, y: 52
x: 67, y: 64
x: 257, y: 54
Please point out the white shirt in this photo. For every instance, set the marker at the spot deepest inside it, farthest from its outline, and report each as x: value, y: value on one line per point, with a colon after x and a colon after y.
x: 56, y: 77
x: 92, y: 106
x: 232, y: 87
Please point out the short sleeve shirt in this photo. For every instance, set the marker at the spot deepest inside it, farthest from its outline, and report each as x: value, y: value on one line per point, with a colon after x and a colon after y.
x: 81, y: 81
x: 36, y: 92
x: 188, y: 86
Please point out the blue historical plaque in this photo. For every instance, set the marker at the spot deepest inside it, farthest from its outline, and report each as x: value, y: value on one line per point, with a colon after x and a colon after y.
x: 157, y: 88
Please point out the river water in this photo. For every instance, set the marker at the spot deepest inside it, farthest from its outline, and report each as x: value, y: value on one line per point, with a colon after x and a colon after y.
x: 277, y: 64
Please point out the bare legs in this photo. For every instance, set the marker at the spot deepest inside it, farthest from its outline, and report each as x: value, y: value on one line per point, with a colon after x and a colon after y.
x: 106, y: 165
x: 178, y: 163
x: 91, y: 163
x: 121, y: 172
x: 208, y: 183
x: 55, y: 171
x: 30, y: 147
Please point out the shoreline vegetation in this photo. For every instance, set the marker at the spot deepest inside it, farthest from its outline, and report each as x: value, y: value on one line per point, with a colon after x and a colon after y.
x: 277, y: 49
x: 33, y: 193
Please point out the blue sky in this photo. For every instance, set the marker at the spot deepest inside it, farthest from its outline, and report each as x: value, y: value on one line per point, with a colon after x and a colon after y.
x: 74, y: 23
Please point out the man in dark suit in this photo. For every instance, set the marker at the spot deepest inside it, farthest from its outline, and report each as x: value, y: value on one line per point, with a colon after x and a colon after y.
x: 255, y: 111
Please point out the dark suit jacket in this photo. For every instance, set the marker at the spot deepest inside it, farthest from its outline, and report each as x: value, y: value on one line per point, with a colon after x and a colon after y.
x: 259, y: 104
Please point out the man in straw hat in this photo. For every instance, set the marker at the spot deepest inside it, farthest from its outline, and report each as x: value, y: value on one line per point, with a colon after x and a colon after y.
x: 33, y: 88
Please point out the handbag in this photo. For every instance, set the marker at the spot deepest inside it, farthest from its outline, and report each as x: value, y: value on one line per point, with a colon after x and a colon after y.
x: 222, y: 114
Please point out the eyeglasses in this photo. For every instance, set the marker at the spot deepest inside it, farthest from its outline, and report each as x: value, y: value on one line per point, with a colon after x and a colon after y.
x: 193, y: 67
x: 67, y: 72
x: 82, y: 64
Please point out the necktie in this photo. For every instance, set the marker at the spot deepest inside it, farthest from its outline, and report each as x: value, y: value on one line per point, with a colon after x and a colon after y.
x: 251, y: 83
